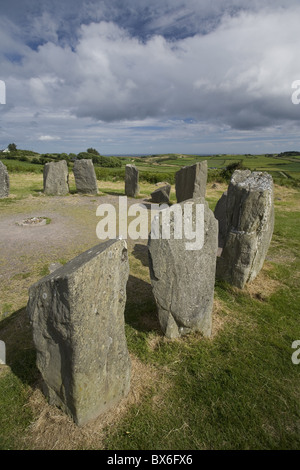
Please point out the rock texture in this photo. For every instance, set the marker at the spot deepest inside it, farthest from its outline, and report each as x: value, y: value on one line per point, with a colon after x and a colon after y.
x: 220, y: 215
x: 56, y: 178
x: 2, y: 353
x: 4, y: 181
x: 85, y: 176
x: 131, y: 181
x: 250, y: 223
x: 161, y: 195
x: 78, y: 329
x: 183, y: 280
x: 190, y: 181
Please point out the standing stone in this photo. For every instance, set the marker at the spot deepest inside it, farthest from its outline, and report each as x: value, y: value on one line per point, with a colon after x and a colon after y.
x: 77, y: 315
x: 191, y: 181
x: 161, y: 195
x: 85, y: 176
x: 250, y: 223
x: 56, y: 178
x: 2, y: 353
x: 183, y: 280
x: 220, y: 215
x: 131, y: 181
x: 4, y: 181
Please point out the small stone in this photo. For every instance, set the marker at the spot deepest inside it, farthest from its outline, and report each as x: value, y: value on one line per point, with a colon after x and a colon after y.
x: 161, y: 195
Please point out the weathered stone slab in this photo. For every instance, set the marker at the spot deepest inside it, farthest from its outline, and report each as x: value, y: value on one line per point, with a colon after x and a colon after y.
x: 56, y: 178
x: 161, y: 195
x: 77, y: 315
x: 2, y: 353
x: 220, y: 215
x: 131, y: 181
x: 183, y: 280
x: 85, y: 176
x: 250, y: 223
x: 190, y: 181
x: 4, y: 181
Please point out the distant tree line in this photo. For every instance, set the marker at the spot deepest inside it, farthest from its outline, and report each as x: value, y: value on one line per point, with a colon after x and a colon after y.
x: 41, y: 159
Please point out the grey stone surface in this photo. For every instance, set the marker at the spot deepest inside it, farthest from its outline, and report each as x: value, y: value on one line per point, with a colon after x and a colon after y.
x: 250, y: 223
x: 190, y: 181
x: 220, y: 215
x: 85, y: 176
x: 77, y: 316
x: 4, y: 181
x: 131, y: 181
x: 2, y: 353
x: 56, y: 178
x: 161, y: 195
x: 183, y: 280
x: 54, y: 266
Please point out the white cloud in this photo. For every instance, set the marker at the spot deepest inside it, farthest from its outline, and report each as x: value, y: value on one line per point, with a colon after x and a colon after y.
x: 238, y: 76
x: 48, y: 137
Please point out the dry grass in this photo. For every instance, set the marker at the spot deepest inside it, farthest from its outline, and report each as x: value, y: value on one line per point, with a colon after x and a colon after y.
x: 220, y: 316
x: 263, y: 286
x: 53, y: 430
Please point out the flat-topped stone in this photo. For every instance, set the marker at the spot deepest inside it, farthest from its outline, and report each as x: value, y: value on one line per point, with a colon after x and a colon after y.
x: 85, y: 176
x: 56, y: 178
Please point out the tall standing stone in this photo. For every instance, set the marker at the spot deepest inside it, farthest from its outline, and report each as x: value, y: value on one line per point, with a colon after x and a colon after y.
x: 183, y: 280
x: 250, y: 223
x: 85, y: 176
x: 77, y: 315
x: 56, y: 178
x: 131, y: 181
x: 220, y: 215
x: 190, y: 181
x: 4, y: 181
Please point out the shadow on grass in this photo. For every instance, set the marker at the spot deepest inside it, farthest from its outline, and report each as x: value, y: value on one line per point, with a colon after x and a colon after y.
x: 140, y: 252
x: 140, y: 310
x: 112, y: 193
x: 16, y: 332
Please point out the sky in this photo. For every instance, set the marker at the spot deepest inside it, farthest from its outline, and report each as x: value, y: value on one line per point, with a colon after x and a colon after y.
x: 150, y: 76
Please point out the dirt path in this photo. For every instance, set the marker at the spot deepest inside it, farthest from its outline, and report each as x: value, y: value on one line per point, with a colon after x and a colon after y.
x: 26, y: 252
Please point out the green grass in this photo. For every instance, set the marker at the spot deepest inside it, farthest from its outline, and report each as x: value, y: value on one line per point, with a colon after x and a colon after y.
x: 239, y: 391
x: 17, y: 166
x: 236, y: 390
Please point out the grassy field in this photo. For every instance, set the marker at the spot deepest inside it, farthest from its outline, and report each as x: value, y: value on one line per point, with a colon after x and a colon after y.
x: 285, y: 169
x: 237, y: 390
